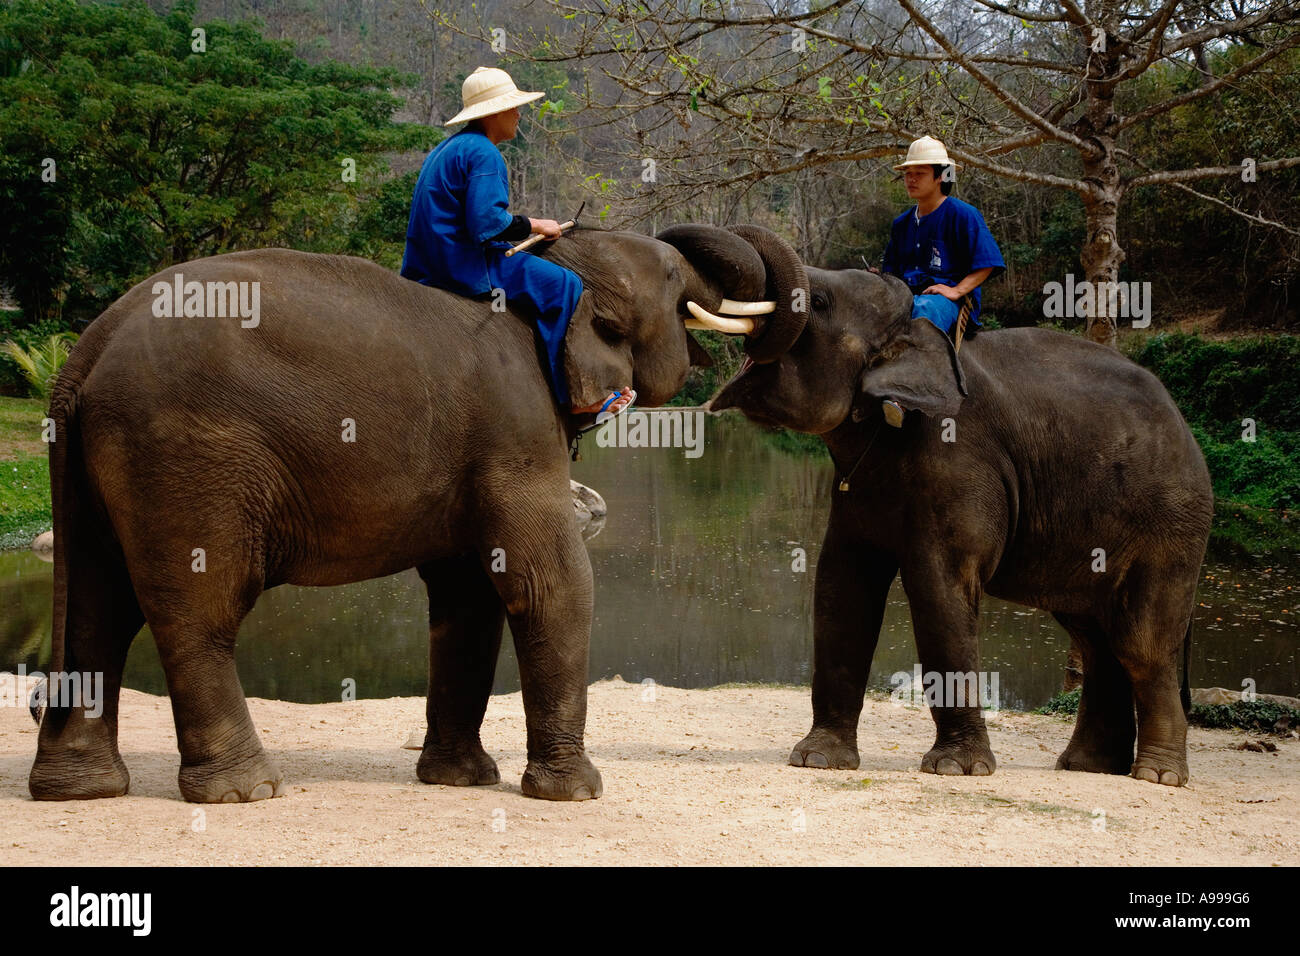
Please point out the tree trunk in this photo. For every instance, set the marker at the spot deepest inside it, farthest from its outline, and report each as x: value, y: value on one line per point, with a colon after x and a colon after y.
x: 1101, y: 254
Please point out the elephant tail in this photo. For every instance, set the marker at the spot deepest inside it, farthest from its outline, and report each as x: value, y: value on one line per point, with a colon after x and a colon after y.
x: 65, y: 463
x: 1186, y: 692
x: 63, y: 501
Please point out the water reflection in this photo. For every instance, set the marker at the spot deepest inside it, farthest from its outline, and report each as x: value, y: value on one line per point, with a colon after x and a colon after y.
x: 694, y: 587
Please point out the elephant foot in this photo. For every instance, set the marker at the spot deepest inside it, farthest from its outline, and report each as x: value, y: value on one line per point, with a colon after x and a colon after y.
x: 1163, y: 768
x: 1095, y: 760
x: 76, y: 775
x: 826, y: 750
x: 467, y: 767
x: 968, y: 758
x: 573, y: 779
x: 243, y: 781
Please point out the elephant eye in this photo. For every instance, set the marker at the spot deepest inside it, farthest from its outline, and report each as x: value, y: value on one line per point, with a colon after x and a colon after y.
x: 819, y: 301
x: 610, y: 328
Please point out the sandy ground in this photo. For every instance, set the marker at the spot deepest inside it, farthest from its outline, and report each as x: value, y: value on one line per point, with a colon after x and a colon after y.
x: 691, y: 777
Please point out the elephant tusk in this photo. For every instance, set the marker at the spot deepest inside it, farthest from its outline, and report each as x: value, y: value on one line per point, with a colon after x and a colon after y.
x: 732, y: 307
x: 716, y: 323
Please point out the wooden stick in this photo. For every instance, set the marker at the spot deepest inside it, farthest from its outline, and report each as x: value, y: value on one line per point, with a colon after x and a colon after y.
x: 536, y: 238
x: 963, y: 316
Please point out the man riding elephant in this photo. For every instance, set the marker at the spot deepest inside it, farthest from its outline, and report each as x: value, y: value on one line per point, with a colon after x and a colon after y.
x: 460, y: 228
x: 940, y: 247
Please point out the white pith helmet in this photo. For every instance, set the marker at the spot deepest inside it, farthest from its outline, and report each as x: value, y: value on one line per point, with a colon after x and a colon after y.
x: 927, y: 151
x: 488, y: 90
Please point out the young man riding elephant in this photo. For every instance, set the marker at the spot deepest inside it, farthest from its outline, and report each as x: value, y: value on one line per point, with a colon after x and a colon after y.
x: 460, y: 224
x: 940, y: 247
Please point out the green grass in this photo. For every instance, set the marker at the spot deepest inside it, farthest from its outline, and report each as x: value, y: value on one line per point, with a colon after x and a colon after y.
x: 1063, y: 703
x: 24, y: 500
x: 24, y: 473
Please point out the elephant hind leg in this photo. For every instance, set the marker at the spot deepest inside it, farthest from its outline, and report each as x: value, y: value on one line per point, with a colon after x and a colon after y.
x: 1105, y: 728
x: 77, y: 756
x: 1150, y: 656
x: 466, y: 617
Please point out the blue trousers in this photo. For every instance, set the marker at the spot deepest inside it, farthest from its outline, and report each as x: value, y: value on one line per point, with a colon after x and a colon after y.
x: 939, y: 310
x: 552, y: 291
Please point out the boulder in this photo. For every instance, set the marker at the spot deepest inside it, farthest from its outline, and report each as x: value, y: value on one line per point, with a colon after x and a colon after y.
x: 43, y: 545
x: 1221, y: 695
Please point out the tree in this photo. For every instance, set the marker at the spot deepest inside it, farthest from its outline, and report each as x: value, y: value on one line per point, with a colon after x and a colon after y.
x: 131, y: 140
x: 1048, y: 92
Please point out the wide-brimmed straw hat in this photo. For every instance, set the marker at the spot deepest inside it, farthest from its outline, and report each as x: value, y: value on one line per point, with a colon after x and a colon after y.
x: 926, y: 151
x: 488, y: 90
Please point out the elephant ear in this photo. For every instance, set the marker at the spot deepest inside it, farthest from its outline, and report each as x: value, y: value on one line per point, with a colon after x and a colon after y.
x: 919, y: 368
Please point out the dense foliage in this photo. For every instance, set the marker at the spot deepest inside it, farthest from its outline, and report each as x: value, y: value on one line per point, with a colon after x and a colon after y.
x: 1219, y: 385
x: 129, y: 141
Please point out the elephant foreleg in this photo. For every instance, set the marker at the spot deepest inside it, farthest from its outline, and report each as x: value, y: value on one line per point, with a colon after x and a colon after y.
x: 465, y: 621
x: 539, y: 565
x: 849, y: 606
x: 945, y: 618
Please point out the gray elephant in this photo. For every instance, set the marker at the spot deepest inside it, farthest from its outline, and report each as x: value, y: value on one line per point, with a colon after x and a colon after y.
x: 360, y: 424
x: 1036, y: 467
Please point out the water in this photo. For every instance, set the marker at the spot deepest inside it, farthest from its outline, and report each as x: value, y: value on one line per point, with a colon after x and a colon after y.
x: 694, y: 588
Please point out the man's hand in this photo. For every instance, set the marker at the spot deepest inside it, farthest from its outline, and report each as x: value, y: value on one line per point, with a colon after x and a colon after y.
x: 546, y: 227
x: 947, y: 291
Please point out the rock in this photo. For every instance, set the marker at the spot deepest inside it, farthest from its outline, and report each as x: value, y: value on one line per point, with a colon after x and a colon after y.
x: 589, y: 508
x: 43, y: 545
x: 415, y: 741
x: 1258, y: 746
x: 1221, y: 695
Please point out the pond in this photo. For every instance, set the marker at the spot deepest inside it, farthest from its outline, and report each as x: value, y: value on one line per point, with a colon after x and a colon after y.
x: 695, y: 586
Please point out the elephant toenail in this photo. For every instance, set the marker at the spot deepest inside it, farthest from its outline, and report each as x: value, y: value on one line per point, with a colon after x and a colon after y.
x: 1145, y: 773
x: 1170, y: 779
x: 461, y: 782
x: 815, y: 759
x: 263, y: 791
x: 949, y: 767
x: 582, y: 793
x: 980, y: 769
x: 231, y: 796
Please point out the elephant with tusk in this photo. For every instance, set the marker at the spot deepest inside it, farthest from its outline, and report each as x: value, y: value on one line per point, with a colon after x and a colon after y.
x: 357, y: 425
x: 1036, y: 467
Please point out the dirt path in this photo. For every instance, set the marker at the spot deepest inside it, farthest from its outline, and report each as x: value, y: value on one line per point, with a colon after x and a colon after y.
x: 692, y: 777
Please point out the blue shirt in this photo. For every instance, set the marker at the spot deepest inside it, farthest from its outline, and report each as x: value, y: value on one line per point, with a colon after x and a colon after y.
x: 460, y: 203
x: 945, y: 247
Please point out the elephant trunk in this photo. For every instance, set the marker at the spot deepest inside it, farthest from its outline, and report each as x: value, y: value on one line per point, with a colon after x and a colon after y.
x: 759, y: 271
x: 787, y: 287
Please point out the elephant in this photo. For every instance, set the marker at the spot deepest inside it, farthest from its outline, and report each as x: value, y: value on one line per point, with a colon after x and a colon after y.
x: 1032, y: 465
x: 358, y: 425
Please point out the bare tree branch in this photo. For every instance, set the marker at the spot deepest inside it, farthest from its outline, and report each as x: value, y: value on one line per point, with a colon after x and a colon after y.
x: 1205, y: 172
x: 1155, y: 109
x: 1009, y: 101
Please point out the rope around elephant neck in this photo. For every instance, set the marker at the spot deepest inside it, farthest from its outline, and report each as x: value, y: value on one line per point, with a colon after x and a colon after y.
x: 844, y: 482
